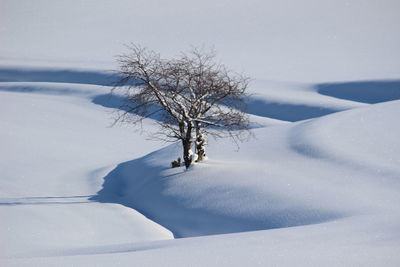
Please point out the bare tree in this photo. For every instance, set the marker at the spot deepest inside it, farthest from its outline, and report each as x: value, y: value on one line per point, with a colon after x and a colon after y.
x: 192, y: 95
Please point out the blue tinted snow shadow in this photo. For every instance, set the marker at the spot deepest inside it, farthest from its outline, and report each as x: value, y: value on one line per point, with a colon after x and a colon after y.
x: 28, y: 88
x: 370, y: 92
x: 104, y: 78
x: 143, y: 186
x: 285, y: 111
x: 362, y: 91
x: 109, y: 100
x: 51, y: 200
x: 119, y: 102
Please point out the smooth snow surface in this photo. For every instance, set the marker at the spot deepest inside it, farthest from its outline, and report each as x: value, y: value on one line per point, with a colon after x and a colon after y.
x: 54, y: 157
x: 320, y: 191
x: 289, y: 40
x: 317, y: 185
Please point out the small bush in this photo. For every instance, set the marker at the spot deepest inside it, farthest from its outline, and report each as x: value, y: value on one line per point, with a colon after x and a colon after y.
x: 176, y: 163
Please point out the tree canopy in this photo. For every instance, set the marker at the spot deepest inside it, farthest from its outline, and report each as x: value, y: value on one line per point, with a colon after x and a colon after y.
x: 192, y: 95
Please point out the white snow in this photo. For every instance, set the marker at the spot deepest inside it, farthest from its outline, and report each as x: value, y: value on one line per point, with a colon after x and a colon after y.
x: 317, y: 185
x: 289, y: 40
x: 53, y: 159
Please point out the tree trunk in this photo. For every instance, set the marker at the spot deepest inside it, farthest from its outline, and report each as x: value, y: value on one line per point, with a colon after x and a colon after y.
x: 187, y: 146
x: 187, y: 155
x: 200, y: 143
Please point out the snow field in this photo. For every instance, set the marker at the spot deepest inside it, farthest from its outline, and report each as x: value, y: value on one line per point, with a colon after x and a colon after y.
x: 293, y: 180
x: 318, y: 185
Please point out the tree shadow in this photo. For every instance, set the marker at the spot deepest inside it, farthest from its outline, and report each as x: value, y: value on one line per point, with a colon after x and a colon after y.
x: 119, y: 102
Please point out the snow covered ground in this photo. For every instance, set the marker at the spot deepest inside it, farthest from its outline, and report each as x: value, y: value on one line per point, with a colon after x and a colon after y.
x: 318, y: 185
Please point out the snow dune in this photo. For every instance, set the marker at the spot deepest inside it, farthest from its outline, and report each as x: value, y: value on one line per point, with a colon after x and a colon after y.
x: 304, y: 173
x: 317, y: 186
x: 296, y: 183
x: 55, y: 150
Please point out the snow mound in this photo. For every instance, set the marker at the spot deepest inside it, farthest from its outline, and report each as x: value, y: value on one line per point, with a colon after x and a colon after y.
x: 211, y: 198
x: 365, y: 138
x: 289, y: 175
x: 55, y: 151
x: 324, y: 185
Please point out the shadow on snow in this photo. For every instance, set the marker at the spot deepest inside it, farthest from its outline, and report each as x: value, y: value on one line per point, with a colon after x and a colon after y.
x: 8, y: 74
x: 370, y: 92
x: 362, y: 91
x: 45, y: 200
x: 146, y: 187
x: 285, y: 111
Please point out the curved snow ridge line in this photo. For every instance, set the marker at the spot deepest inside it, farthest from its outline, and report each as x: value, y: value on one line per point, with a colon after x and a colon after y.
x: 204, y: 202
x: 37, y: 174
x: 97, y: 94
x: 273, y: 112
x: 319, y: 138
x: 282, y: 109
x: 293, y: 101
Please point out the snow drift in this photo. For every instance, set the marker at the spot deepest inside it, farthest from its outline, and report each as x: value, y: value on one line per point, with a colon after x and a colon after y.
x: 318, y: 186
x: 289, y: 175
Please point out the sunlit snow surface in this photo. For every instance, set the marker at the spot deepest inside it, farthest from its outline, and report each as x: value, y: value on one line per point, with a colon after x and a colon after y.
x: 317, y: 185
x: 319, y: 190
